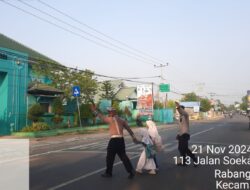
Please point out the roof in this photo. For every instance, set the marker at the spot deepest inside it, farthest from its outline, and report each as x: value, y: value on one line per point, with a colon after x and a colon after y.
x: 43, y: 89
x: 126, y: 93
x: 9, y: 43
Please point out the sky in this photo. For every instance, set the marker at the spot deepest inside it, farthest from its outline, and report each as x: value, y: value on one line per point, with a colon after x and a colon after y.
x: 205, y: 43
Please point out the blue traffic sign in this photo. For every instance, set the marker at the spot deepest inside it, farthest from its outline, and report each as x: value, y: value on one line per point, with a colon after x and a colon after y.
x: 76, y: 91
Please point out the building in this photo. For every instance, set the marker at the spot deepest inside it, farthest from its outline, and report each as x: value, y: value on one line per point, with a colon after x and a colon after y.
x: 20, y: 87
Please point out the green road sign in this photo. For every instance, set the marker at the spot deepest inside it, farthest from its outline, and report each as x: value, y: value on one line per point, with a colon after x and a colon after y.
x: 164, y: 87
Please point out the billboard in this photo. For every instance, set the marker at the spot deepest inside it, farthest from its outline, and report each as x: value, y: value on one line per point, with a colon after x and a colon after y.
x: 145, y: 99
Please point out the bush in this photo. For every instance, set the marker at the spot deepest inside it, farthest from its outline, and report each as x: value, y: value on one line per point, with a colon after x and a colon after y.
x: 57, y: 107
x: 35, y: 112
x: 39, y: 126
x: 58, y: 110
x: 57, y: 119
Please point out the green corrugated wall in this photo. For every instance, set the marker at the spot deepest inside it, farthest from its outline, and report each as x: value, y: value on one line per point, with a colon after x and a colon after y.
x: 13, y: 89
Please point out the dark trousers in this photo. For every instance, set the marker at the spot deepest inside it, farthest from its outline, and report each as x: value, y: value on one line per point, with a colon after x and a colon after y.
x: 183, y: 147
x: 156, y: 162
x: 117, y: 146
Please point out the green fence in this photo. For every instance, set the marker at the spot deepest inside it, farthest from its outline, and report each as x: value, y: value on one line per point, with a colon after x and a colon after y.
x: 164, y: 115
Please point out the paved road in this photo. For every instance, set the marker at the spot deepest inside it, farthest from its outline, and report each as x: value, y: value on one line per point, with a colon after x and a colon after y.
x: 77, y: 162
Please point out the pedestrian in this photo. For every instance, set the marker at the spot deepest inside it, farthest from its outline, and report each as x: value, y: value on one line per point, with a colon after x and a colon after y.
x: 146, y: 160
x: 183, y: 136
x: 155, y: 137
x: 116, y: 143
x: 138, y: 121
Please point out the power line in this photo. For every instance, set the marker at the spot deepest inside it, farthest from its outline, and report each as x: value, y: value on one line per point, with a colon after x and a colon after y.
x: 97, y: 31
x: 59, y: 66
x: 86, y: 33
x: 75, y: 33
x: 161, y: 66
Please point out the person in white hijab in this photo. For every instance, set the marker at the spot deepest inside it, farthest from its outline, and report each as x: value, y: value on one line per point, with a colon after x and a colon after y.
x: 145, y: 162
x: 155, y: 137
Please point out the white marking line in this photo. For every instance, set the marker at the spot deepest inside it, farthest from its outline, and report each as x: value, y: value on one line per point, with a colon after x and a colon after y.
x: 55, y: 151
x: 165, y: 149
x: 60, y: 150
x: 98, y: 151
x: 118, y: 163
x: 86, y: 175
x: 176, y: 146
x: 195, y: 134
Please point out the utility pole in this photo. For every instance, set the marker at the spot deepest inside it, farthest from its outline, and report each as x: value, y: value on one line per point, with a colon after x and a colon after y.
x: 161, y: 67
x: 212, y: 94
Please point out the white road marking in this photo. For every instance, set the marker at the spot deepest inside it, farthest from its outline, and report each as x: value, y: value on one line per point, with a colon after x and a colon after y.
x: 85, y: 176
x: 195, y: 134
x: 118, y: 163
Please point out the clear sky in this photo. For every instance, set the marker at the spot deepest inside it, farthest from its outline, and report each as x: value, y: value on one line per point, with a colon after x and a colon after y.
x: 206, y: 43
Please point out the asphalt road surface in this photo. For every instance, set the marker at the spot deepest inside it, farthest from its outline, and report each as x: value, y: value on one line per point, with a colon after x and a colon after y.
x: 77, y: 162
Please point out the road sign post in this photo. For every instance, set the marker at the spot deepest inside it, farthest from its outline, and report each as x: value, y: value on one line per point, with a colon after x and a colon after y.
x: 164, y: 88
x: 76, y: 93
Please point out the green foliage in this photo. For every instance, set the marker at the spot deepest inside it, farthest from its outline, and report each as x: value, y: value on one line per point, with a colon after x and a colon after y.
x: 57, y: 119
x: 39, y: 126
x: 230, y: 107
x: 58, y: 110
x: 64, y: 78
x: 88, y: 85
x: 127, y: 112
x: 35, y: 112
x: 243, y: 105
x: 205, y: 105
x: 57, y: 107
x: 171, y: 104
x: 190, y: 97
x: 86, y: 112
x: 115, y: 105
x: 107, y: 90
x: 158, y: 105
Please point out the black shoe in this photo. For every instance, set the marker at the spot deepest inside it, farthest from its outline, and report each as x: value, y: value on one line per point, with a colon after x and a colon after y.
x: 131, y: 175
x: 106, y: 175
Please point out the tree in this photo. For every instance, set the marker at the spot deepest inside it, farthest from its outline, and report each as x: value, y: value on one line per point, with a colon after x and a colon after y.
x: 86, y: 113
x: 244, y: 105
x: 205, y: 105
x: 35, y: 112
x: 58, y: 110
x: 88, y: 85
x: 107, y: 90
x: 64, y: 78
x: 158, y: 105
x: 190, y: 97
x: 171, y: 104
x: 57, y: 106
x: 115, y: 105
x: 127, y: 113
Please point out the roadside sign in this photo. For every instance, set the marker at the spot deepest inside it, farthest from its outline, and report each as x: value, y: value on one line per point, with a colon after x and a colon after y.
x: 76, y: 91
x: 164, y: 87
x: 145, y: 99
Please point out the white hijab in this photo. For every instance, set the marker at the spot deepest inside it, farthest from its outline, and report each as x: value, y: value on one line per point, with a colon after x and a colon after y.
x: 152, y: 129
x: 153, y: 132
